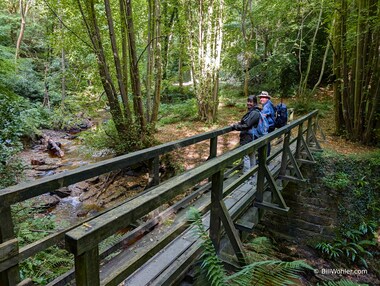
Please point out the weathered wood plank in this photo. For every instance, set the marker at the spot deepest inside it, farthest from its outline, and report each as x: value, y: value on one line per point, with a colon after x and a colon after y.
x: 88, y: 236
x: 215, y: 219
x: 9, y: 276
x: 136, y: 256
x: 26, y: 282
x: 87, y: 268
x: 235, y: 203
x: 8, y: 249
x: 29, y: 190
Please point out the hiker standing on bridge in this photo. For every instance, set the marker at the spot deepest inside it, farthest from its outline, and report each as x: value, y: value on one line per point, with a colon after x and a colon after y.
x: 268, y: 111
x: 246, y: 124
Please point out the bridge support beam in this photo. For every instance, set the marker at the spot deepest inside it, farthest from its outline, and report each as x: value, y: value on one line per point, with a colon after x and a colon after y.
x: 10, y: 276
x: 287, y: 154
x: 262, y: 175
x: 219, y: 214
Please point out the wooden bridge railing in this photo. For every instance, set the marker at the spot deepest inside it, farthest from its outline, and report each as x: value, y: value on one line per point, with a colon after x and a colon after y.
x: 83, y: 240
x: 10, y: 252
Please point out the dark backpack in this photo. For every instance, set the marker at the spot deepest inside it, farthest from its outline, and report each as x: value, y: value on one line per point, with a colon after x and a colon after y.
x: 281, y: 115
x: 261, y: 128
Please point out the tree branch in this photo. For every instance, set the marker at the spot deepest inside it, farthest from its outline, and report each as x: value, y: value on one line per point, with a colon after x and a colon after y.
x: 71, y: 31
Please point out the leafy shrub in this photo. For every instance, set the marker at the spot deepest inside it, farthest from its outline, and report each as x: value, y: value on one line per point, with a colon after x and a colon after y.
x: 176, y: 94
x: 47, y: 265
x: 30, y: 226
x: 27, y: 82
x: 173, y: 113
x: 337, y: 181
x: 20, y: 119
x: 305, y: 105
x: 105, y: 137
x: 352, y: 246
x: 356, y: 181
x: 269, y: 272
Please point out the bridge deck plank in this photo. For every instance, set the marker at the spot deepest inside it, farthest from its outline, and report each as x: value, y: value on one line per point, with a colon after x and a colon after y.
x: 174, y: 260
x: 166, y: 271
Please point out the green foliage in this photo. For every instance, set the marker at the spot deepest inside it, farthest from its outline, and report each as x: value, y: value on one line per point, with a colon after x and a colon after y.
x: 28, y: 81
x: 212, y: 266
x: 230, y: 95
x: 31, y: 226
x: 178, y: 112
x: 270, y: 272
x: 47, y: 265
x: 276, y: 74
x: 353, y: 246
x: 356, y: 181
x: 20, y: 120
x: 338, y: 181
x: 305, y: 105
x: 176, y: 94
x: 105, y: 138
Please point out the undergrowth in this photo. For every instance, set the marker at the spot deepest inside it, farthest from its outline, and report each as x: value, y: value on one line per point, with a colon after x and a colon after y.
x: 31, y: 226
x: 354, y: 182
x: 266, y: 272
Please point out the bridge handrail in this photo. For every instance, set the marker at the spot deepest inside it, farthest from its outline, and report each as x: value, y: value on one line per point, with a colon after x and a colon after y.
x: 79, y: 235
x: 83, y: 241
x: 20, y: 192
x: 27, y: 190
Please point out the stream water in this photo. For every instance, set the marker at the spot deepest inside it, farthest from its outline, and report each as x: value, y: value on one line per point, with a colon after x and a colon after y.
x: 40, y: 163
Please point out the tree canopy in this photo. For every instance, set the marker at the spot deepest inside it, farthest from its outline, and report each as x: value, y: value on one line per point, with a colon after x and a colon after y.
x: 135, y: 54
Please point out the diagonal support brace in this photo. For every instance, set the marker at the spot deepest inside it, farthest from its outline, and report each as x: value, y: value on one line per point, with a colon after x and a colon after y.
x: 219, y: 215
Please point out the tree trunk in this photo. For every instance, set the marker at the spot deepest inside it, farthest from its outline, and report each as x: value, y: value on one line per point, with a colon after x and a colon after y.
x: 205, y: 49
x: 124, y: 52
x: 23, y: 13
x: 149, y: 61
x: 168, y: 32
x: 46, y: 102
x: 158, y: 63
x: 309, y: 62
x: 134, y: 70
x: 337, y: 73
x: 118, y: 68
x: 105, y: 76
x: 359, y: 80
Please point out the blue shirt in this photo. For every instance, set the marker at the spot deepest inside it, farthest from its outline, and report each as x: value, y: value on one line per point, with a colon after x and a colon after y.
x: 268, y: 111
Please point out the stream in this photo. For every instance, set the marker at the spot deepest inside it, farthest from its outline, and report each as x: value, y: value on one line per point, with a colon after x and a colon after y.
x: 66, y: 204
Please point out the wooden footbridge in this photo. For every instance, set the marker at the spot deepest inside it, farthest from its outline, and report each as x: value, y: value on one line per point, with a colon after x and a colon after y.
x: 161, y: 250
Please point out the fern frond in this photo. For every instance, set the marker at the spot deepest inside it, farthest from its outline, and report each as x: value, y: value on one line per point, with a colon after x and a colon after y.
x: 271, y: 272
x: 212, y: 266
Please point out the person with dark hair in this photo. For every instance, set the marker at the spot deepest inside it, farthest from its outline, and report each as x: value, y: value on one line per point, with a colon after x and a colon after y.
x: 245, y: 126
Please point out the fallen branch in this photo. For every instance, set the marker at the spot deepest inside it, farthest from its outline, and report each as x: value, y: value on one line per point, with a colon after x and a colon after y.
x: 55, y: 147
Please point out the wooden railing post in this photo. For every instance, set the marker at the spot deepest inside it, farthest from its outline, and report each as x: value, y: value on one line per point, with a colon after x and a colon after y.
x: 262, y: 156
x: 218, y: 215
x: 309, y: 130
x: 299, y: 141
x: 213, y: 147
x: 87, y: 268
x: 284, y: 159
x: 8, y: 248
x: 216, y: 197
x: 156, y: 170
